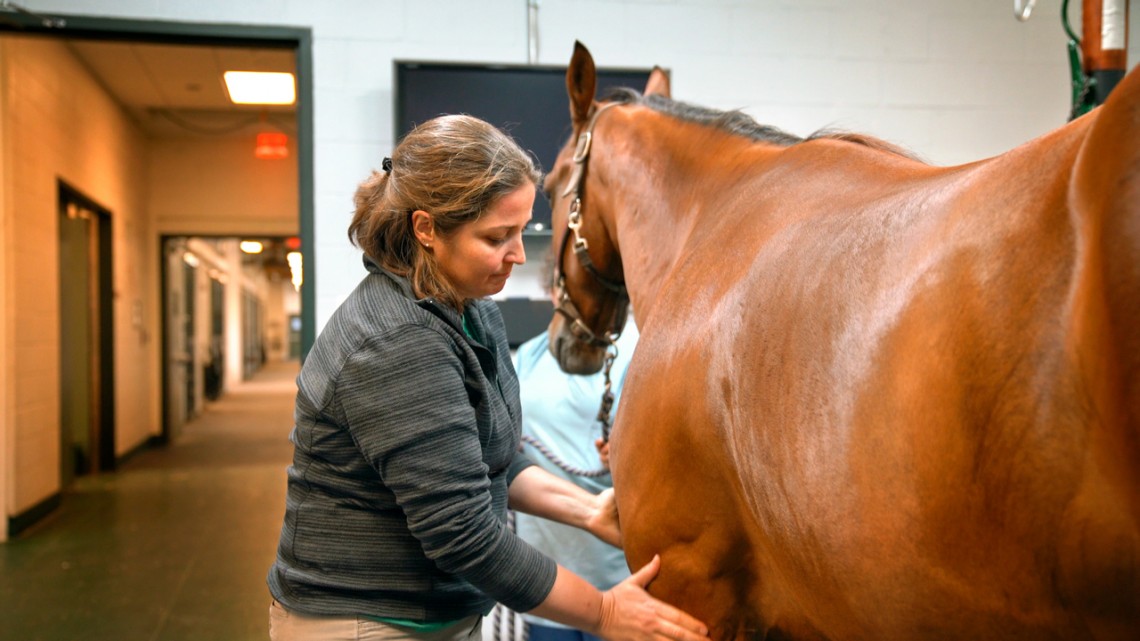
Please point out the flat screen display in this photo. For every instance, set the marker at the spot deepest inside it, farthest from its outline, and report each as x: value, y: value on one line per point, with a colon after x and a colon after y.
x: 527, y: 101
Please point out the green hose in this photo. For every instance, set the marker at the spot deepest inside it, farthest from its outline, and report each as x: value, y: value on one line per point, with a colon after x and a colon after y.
x: 1083, y: 97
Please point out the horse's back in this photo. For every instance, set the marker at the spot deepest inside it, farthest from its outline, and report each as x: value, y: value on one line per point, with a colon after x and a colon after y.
x: 971, y: 384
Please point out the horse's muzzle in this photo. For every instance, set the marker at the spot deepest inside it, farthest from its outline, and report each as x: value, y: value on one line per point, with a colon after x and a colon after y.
x: 573, y: 355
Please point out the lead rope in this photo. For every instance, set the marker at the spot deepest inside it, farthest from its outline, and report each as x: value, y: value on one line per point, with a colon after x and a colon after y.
x: 605, y: 412
x: 605, y: 417
x: 562, y: 465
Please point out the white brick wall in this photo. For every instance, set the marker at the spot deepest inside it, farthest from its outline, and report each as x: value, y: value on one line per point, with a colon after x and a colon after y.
x: 953, y: 81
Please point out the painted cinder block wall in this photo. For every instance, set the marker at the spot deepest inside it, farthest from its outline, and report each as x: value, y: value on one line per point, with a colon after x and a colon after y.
x: 59, y: 125
x: 952, y: 81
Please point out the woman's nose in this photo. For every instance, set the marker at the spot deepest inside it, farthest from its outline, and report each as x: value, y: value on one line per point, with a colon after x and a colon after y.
x: 517, y: 254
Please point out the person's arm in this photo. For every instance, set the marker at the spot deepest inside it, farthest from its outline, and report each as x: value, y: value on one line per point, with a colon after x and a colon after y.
x: 540, y: 493
x: 624, y: 613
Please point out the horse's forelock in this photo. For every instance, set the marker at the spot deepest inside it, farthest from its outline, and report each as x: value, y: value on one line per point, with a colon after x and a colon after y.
x: 622, y: 95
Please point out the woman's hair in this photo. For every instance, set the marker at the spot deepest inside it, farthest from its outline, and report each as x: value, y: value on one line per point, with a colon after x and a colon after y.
x: 453, y: 167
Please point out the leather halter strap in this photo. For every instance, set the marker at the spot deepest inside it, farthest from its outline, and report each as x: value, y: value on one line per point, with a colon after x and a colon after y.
x: 566, y: 307
x: 574, y: 219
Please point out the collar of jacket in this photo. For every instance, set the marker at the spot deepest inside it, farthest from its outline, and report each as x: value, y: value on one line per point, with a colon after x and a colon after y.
x: 444, y: 312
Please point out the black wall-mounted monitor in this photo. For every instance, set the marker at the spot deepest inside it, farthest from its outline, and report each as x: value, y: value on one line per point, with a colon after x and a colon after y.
x: 527, y: 101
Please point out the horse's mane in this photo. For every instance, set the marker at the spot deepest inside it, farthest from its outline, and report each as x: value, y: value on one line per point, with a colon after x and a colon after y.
x: 741, y: 124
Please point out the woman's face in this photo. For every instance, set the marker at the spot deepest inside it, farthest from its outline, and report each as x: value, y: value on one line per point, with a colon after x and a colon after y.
x: 478, y: 258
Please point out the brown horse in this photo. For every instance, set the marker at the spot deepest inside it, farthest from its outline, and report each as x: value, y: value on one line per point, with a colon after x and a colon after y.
x: 872, y: 398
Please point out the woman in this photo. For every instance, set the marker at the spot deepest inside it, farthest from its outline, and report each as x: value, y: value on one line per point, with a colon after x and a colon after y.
x: 408, y: 426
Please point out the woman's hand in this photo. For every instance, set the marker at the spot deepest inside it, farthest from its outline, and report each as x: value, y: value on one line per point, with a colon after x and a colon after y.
x: 624, y: 613
x: 629, y: 613
x: 603, y: 521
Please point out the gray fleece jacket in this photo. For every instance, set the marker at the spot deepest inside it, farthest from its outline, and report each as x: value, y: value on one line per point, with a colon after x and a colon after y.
x: 406, y: 435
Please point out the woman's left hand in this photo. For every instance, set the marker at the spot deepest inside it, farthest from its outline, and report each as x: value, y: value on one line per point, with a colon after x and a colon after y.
x: 603, y: 523
x: 538, y: 492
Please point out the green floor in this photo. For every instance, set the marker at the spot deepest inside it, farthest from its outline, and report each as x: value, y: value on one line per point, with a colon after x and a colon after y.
x: 174, y: 546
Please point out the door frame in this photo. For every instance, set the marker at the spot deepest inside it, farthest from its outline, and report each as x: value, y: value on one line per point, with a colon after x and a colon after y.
x: 102, y: 455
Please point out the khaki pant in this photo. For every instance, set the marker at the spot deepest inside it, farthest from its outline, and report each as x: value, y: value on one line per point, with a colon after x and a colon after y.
x: 290, y: 626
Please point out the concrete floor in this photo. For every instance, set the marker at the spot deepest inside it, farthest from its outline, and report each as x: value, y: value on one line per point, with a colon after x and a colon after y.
x: 175, y: 545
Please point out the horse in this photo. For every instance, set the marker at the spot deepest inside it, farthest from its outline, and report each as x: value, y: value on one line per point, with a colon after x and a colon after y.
x: 872, y: 398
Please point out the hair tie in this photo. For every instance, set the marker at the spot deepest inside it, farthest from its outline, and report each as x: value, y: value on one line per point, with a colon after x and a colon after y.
x: 386, y: 165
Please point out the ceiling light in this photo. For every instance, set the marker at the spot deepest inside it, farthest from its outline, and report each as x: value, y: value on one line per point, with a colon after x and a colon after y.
x: 250, y: 246
x: 260, y: 88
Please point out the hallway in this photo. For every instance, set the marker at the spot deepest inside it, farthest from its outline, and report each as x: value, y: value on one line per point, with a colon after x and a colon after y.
x: 174, y: 546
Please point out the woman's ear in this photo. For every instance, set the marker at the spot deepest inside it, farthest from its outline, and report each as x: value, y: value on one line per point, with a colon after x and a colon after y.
x: 423, y: 227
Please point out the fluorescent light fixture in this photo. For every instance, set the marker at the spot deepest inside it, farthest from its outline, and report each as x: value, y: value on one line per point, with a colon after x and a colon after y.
x: 250, y: 246
x: 260, y: 87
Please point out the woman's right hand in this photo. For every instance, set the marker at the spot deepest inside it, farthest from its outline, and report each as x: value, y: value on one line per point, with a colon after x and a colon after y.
x: 629, y: 613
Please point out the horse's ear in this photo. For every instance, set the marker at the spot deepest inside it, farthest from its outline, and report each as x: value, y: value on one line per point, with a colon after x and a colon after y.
x: 581, y: 83
x: 658, y: 83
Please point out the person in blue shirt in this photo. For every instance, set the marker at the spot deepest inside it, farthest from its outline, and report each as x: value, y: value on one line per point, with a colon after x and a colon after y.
x: 561, y: 433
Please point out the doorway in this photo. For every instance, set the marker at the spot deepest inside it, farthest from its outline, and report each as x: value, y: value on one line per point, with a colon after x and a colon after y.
x: 228, y: 301
x: 102, y: 421
x: 179, y: 400
x: 87, y: 401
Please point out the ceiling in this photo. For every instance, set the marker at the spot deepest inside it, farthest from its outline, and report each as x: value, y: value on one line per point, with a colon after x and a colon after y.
x: 176, y: 90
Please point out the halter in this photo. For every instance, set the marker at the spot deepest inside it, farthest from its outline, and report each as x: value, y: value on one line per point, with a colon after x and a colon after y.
x: 566, y: 307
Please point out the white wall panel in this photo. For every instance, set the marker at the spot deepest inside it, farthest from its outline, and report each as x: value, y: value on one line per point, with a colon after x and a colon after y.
x: 953, y: 81
x: 336, y: 19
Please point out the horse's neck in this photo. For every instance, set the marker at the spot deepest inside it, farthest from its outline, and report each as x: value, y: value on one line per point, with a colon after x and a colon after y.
x: 650, y: 232
x: 659, y: 198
